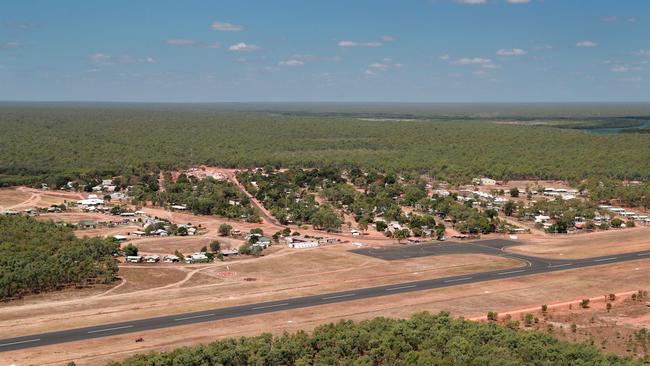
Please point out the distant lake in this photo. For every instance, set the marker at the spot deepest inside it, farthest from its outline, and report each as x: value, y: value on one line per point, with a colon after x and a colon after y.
x: 611, y: 130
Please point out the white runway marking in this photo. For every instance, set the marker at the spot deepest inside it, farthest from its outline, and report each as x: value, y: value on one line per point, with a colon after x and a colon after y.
x: 20, y: 342
x: 605, y: 259
x: 337, y: 297
x: 193, y: 317
x: 109, y: 329
x: 270, y: 306
x: 459, y: 279
x: 642, y: 254
x: 511, y: 272
x: 400, y: 288
x: 561, y: 265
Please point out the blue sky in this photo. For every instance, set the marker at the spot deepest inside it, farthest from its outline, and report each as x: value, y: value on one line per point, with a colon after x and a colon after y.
x: 334, y: 50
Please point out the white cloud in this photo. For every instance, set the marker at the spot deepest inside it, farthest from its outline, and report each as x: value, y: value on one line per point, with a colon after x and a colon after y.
x: 104, y: 59
x: 379, y: 66
x: 610, y: 19
x: 181, y: 42
x: 473, y: 61
x: 350, y: 44
x: 619, y: 69
x: 243, y: 47
x: 511, y: 52
x: 387, y: 38
x: 644, y: 53
x: 518, y: 1
x: 444, y: 57
x: 9, y: 45
x: 226, y: 27
x: 472, y: 2
x: 291, y: 63
x: 586, y: 44
x: 631, y: 80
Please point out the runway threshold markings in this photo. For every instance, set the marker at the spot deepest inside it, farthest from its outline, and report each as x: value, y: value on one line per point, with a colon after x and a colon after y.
x: 194, y: 317
x: 109, y: 329
x: 270, y: 306
x: 400, y: 288
x: 458, y: 279
x: 338, y: 296
x: 20, y: 342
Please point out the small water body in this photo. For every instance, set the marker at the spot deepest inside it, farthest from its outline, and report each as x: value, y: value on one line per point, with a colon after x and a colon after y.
x: 612, y: 130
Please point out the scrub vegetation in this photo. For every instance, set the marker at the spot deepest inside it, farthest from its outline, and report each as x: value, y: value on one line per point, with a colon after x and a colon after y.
x: 39, y: 256
x: 424, y: 339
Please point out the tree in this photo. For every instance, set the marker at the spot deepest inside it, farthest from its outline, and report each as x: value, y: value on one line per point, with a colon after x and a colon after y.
x: 544, y: 308
x: 326, y: 219
x: 204, y: 249
x: 381, y: 226
x: 514, y: 192
x: 215, y: 246
x: 584, y: 303
x: 609, y: 307
x: 130, y: 250
x: 401, y: 234
x: 492, y: 316
x: 509, y: 208
x: 224, y: 229
x: 616, y: 222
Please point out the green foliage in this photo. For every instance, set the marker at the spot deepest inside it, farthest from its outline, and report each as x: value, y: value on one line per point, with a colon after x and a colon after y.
x: 39, y: 256
x: 130, y: 250
x: 53, y: 144
x: 215, y: 246
x: 224, y: 229
x: 423, y: 339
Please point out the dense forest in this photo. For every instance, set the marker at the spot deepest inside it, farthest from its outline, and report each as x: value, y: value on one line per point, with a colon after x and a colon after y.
x: 424, y: 339
x: 59, y: 142
x: 38, y: 256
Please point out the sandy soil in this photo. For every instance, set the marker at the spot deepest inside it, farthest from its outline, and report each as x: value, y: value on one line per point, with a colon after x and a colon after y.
x: 586, y: 245
x: 20, y: 198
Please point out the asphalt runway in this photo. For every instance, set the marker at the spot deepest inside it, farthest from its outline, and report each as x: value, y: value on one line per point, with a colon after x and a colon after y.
x: 531, y: 266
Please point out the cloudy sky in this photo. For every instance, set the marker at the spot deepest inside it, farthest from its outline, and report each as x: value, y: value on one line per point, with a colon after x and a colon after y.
x: 334, y: 50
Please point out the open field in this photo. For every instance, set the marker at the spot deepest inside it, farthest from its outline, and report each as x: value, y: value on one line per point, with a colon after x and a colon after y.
x: 588, y: 244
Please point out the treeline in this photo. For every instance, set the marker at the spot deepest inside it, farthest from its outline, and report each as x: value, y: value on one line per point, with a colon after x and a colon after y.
x: 40, y: 256
x: 424, y: 339
x: 57, y: 143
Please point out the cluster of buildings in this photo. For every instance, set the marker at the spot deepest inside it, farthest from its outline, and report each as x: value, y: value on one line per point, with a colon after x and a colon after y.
x: 300, y: 242
x: 565, y: 194
x: 628, y: 215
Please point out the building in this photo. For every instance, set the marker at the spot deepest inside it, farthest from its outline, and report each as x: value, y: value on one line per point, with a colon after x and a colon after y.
x: 134, y: 259
x: 87, y: 224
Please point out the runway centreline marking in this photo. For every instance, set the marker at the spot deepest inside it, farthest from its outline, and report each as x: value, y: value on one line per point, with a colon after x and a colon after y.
x: 642, y: 254
x: 459, y: 279
x: 400, y: 288
x: 270, y: 306
x: 20, y: 342
x: 194, y: 317
x: 337, y: 296
x: 109, y: 329
x: 605, y: 259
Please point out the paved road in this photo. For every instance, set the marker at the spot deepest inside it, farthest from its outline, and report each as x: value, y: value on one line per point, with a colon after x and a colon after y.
x: 533, y: 265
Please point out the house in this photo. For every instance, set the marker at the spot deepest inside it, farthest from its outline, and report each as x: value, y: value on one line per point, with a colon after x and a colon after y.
x: 263, y: 242
x: 9, y: 213
x: 179, y: 207
x: 171, y: 259
x: 87, y: 224
x: 152, y: 258
x: 197, y: 258
x: 134, y: 259
x: 230, y: 252
x: 139, y: 233
x: 91, y: 201
x: 120, y: 237
x: 485, y: 181
x: 541, y: 219
x: 300, y: 242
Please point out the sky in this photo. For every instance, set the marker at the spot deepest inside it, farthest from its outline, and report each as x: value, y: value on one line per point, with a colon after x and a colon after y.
x: 330, y: 50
